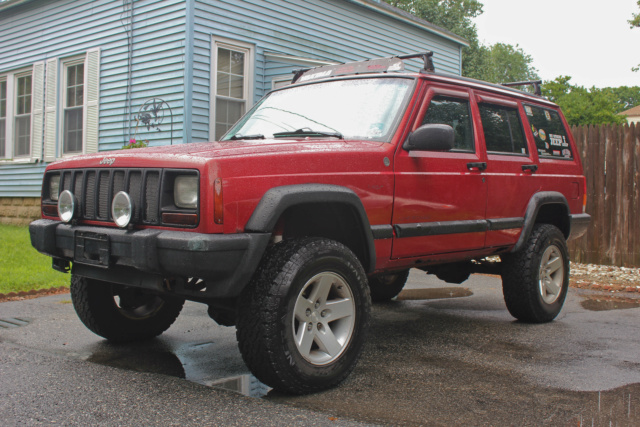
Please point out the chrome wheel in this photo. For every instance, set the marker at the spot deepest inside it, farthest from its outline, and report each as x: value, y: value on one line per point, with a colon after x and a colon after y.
x: 551, y: 274
x: 324, y: 318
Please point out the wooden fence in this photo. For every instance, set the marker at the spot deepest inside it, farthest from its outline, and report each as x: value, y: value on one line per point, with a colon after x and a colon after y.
x: 611, y: 160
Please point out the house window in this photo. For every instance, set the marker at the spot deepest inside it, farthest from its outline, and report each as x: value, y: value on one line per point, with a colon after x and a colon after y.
x: 3, y: 117
x: 73, y: 107
x: 232, y: 80
x: 22, y: 125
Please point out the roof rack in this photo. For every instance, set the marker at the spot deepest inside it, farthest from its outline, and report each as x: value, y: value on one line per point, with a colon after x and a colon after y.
x: 535, y: 83
x: 384, y: 65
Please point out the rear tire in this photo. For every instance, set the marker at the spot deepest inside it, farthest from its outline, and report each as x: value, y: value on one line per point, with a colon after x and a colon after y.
x: 303, y: 318
x: 535, y: 279
x: 121, y: 313
x: 385, y: 287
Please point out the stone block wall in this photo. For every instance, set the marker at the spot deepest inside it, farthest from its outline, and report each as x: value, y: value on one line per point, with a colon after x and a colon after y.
x: 19, y: 210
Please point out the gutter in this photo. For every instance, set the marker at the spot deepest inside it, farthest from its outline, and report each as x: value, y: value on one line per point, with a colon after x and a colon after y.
x: 8, y: 4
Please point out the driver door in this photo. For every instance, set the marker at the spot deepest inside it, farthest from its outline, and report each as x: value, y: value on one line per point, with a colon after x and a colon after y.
x: 440, y: 197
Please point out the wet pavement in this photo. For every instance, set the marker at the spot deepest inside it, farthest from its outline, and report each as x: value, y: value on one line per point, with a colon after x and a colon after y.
x: 439, y: 355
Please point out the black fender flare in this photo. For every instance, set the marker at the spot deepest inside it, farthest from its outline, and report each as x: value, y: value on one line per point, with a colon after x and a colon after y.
x: 278, y: 199
x: 535, y: 203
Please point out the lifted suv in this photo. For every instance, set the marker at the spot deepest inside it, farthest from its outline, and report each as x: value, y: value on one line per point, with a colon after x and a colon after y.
x: 320, y: 199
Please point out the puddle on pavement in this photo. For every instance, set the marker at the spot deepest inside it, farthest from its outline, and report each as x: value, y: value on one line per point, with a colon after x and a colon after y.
x: 158, y: 358
x: 604, y: 303
x: 247, y: 385
x: 430, y: 293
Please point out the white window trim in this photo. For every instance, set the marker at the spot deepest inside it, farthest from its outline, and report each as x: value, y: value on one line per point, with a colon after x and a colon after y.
x: 64, y: 64
x: 11, y: 78
x: 249, y: 51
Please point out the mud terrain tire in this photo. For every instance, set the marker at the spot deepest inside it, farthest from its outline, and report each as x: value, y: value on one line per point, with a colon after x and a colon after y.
x: 536, y: 278
x: 303, y: 318
x: 120, y: 313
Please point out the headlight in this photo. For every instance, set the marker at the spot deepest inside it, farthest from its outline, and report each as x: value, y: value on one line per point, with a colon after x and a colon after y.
x: 54, y: 187
x: 185, y: 192
x: 122, y: 209
x: 66, y: 206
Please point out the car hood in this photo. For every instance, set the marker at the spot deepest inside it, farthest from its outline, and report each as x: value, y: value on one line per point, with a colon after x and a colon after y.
x: 203, y: 152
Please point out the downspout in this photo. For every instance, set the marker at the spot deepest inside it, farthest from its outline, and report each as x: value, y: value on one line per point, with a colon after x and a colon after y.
x: 188, y: 71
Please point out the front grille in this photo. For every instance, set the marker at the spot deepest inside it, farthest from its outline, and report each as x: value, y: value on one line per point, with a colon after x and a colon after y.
x: 95, y: 188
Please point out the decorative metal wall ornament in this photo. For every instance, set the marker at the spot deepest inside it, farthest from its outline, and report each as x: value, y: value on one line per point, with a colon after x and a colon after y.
x: 154, y: 113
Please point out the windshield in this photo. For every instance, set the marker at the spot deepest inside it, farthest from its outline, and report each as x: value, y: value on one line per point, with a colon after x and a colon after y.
x: 350, y: 109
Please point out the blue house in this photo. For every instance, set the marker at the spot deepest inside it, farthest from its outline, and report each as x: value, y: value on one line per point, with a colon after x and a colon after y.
x: 81, y: 76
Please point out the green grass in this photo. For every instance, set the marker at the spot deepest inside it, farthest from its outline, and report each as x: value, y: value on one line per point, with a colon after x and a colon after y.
x: 22, y: 268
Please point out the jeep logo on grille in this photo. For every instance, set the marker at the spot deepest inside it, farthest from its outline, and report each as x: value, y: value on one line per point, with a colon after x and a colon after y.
x: 107, y: 161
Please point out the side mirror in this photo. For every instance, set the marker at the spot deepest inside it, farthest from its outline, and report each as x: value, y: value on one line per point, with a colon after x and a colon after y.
x: 431, y: 137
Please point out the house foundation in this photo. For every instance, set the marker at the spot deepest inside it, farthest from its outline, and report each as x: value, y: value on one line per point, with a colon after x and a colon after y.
x: 19, y: 210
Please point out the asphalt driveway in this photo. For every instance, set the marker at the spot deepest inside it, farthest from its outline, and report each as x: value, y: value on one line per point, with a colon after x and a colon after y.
x: 440, y: 355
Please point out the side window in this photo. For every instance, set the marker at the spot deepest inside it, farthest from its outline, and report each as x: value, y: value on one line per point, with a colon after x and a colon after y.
x: 233, y: 85
x: 454, y: 112
x: 503, y: 131
x: 549, y: 132
x: 3, y: 116
x: 22, y: 124
x: 73, y: 103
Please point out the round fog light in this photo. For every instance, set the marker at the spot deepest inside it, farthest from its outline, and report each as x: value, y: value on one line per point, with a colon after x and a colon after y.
x: 66, y: 205
x: 122, y: 209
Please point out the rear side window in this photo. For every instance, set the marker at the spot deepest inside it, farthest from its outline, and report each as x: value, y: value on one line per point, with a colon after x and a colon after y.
x: 454, y: 112
x: 503, y: 132
x: 549, y: 133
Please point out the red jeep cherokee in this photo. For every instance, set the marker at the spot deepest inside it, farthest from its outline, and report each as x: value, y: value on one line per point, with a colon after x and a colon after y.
x: 319, y: 199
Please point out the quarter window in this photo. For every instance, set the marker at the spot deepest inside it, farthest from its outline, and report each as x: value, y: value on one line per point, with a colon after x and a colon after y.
x: 455, y: 113
x: 22, y: 124
x: 73, y: 108
x: 503, y: 131
x: 549, y: 132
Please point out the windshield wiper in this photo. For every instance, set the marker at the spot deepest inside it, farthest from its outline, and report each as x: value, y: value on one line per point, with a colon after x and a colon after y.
x: 307, y: 132
x: 237, y: 136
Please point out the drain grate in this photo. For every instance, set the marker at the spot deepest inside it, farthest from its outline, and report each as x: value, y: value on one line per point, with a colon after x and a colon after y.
x: 12, y: 322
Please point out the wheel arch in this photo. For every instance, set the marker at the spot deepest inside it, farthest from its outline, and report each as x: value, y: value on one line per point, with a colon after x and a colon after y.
x: 547, y: 207
x: 307, y: 210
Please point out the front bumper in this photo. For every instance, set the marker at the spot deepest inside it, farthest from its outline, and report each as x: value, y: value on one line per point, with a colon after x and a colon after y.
x: 146, y: 258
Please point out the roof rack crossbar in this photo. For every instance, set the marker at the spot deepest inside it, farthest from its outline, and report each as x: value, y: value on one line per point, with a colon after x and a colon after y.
x: 427, y: 57
x: 535, y: 83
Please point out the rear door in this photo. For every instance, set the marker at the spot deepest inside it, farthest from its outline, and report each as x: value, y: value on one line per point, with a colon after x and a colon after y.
x: 512, y: 167
x: 440, y: 197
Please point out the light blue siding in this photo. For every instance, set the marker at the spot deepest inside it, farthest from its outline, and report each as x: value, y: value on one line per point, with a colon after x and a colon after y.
x: 171, y: 55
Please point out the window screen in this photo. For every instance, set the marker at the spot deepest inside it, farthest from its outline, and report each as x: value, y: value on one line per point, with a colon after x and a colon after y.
x: 549, y: 132
x: 455, y: 113
x: 503, y: 131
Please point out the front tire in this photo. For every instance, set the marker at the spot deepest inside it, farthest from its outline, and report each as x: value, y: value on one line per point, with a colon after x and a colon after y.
x: 535, y: 279
x: 121, y: 313
x: 303, y: 318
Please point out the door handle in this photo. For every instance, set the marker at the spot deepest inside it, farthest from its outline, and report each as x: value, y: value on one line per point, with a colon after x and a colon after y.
x: 531, y: 168
x: 477, y: 165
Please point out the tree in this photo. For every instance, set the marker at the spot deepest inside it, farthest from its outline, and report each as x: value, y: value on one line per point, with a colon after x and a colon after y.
x: 635, y: 23
x: 506, y: 63
x: 584, y: 106
x: 498, y: 63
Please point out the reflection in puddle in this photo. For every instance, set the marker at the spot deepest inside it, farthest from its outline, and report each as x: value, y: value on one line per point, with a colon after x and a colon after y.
x: 247, y: 385
x: 155, y: 358
x: 603, y: 303
x: 437, y: 293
